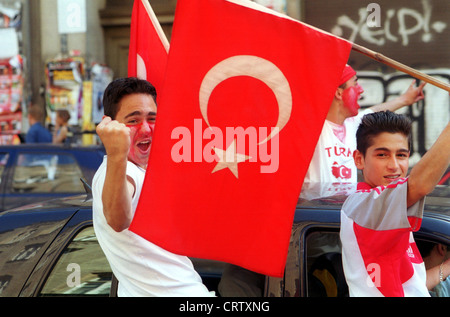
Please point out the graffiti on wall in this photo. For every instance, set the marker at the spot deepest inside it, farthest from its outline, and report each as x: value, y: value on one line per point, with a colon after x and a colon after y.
x: 414, y: 33
x: 395, y: 25
x: 429, y: 116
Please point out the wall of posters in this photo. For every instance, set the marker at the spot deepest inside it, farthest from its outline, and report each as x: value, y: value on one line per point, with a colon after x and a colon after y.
x: 12, y: 79
x: 11, y: 85
x: 71, y: 86
x: 64, y: 87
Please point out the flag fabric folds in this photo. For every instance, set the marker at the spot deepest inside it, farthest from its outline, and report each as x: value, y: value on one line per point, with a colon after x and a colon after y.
x: 244, y: 100
x: 149, y: 47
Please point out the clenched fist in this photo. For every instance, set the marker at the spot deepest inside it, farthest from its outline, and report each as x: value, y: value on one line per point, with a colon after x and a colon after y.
x: 115, y: 137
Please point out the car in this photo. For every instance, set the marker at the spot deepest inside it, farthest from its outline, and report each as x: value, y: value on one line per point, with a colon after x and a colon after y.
x: 32, y: 173
x: 50, y: 249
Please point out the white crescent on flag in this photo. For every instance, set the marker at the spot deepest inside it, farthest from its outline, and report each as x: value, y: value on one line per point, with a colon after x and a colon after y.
x: 256, y: 67
x: 141, y: 68
x: 149, y: 47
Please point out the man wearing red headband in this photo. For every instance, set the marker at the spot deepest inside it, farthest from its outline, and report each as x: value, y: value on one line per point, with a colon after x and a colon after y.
x: 333, y: 157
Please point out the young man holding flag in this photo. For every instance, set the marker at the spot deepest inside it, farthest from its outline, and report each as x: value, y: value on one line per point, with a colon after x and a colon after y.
x: 142, y: 268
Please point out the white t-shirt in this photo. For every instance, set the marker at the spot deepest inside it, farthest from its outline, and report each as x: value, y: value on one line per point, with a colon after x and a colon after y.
x: 333, y: 156
x: 379, y: 254
x: 142, y: 268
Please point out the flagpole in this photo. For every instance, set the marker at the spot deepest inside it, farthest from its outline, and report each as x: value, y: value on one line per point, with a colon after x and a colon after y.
x: 156, y: 25
x: 401, y: 67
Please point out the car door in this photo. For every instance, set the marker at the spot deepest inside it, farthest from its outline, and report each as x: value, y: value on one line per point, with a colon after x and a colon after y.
x: 81, y: 269
x: 73, y: 265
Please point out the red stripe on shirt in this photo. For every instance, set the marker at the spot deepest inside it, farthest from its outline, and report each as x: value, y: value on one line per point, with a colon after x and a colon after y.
x: 385, y: 255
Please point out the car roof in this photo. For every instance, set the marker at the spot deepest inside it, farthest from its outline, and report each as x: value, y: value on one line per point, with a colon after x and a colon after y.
x: 436, y: 203
x: 39, y: 146
x: 69, y: 202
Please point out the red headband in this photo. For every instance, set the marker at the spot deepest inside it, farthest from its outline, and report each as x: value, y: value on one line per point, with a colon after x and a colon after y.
x: 348, y: 73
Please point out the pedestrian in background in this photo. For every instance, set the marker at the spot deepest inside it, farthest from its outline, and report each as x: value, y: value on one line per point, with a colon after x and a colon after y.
x: 37, y: 132
x: 61, y: 133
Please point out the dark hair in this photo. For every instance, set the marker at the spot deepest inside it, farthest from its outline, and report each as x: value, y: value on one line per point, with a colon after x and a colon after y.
x: 343, y: 86
x: 375, y: 123
x: 63, y: 114
x: 36, y: 112
x: 425, y: 247
x: 122, y: 87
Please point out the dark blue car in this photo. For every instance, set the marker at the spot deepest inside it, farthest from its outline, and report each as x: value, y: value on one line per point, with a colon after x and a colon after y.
x: 31, y: 173
x: 50, y: 249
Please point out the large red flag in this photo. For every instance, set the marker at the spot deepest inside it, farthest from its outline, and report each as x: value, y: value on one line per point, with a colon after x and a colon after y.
x: 245, y: 98
x: 149, y: 47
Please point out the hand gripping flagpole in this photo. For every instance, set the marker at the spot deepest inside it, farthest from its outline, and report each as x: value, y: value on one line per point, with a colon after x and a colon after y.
x: 399, y: 66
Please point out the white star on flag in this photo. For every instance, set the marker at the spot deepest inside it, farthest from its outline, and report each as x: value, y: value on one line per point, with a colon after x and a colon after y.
x: 229, y: 159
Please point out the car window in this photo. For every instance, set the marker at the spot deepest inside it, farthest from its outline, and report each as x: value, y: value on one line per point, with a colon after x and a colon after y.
x: 47, y: 173
x: 324, y: 265
x: 3, y: 160
x: 434, y: 254
x: 82, y: 269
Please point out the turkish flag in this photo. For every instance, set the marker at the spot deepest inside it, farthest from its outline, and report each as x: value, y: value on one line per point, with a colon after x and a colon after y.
x: 149, y: 47
x: 245, y: 98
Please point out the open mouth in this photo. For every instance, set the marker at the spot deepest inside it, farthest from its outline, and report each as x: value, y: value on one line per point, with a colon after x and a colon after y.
x: 392, y: 178
x: 144, y: 145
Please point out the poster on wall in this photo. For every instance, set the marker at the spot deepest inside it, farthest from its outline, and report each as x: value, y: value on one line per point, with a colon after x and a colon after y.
x: 64, y: 81
x: 101, y: 77
x: 12, y: 77
x: 10, y: 43
x: 11, y: 85
x: 10, y: 128
x: 11, y: 98
x: 10, y: 14
x: 86, y: 122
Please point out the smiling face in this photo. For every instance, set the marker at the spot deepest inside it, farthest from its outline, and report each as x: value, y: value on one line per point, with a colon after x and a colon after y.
x: 138, y: 112
x: 386, y: 159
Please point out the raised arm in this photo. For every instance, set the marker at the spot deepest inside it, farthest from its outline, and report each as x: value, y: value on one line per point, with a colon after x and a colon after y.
x: 118, y: 189
x: 412, y: 95
x: 426, y: 174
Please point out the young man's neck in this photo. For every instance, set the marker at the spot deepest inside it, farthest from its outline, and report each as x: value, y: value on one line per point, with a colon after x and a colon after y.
x: 336, y: 114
